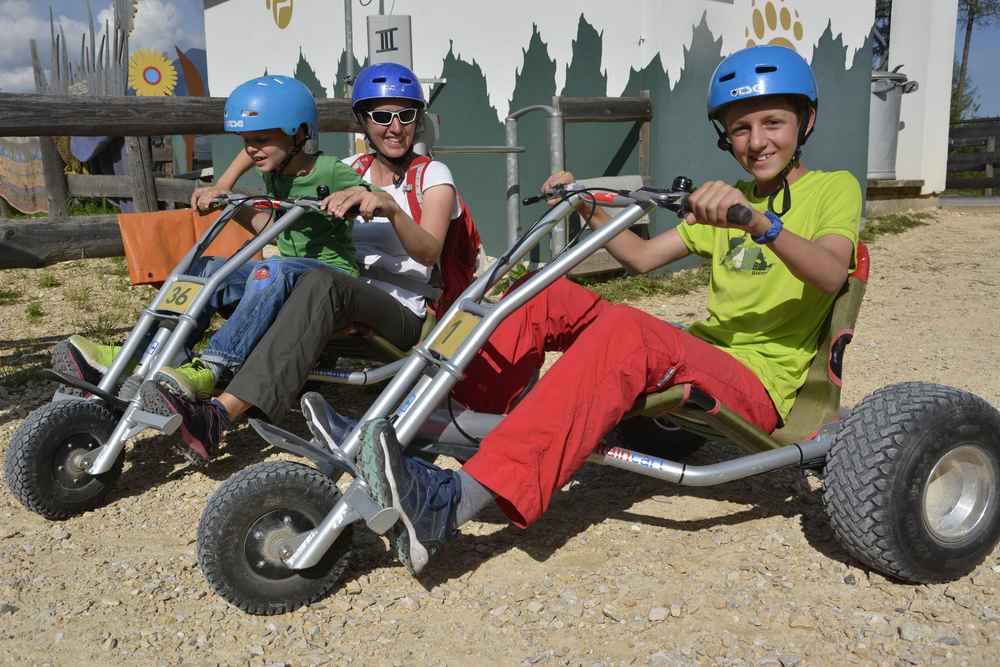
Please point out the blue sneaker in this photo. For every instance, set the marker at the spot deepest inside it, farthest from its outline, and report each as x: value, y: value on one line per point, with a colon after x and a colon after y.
x: 425, y: 496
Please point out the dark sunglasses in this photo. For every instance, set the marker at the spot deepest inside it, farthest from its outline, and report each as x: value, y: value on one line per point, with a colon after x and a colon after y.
x: 405, y: 116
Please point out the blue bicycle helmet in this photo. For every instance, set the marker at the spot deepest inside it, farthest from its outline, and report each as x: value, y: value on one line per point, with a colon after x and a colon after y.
x: 385, y: 80
x: 759, y: 71
x: 271, y: 102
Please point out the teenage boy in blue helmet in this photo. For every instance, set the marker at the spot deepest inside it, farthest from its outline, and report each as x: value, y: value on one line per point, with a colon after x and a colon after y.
x: 772, y: 285
x: 276, y: 117
x: 398, y: 241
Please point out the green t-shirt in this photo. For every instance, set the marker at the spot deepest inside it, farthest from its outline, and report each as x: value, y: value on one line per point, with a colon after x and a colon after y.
x: 757, y: 310
x: 314, y: 234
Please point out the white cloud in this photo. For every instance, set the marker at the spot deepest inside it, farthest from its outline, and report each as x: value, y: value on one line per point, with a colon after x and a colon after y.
x: 18, y: 80
x: 159, y: 25
x: 23, y: 22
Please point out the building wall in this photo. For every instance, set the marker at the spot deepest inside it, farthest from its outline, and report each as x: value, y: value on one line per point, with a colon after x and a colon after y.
x: 923, y: 43
x: 502, y: 56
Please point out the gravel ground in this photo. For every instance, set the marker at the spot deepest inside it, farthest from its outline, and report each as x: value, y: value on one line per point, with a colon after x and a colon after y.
x: 622, y: 570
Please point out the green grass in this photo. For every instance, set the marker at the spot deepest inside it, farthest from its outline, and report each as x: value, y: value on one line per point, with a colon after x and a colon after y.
x: 78, y: 295
x: 9, y: 296
x: 47, y: 280
x: 896, y: 223
x: 33, y: 311
x: 636, y: 287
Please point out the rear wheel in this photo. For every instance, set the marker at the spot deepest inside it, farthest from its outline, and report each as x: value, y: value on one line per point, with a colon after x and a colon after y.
x: 913, y: 482
x: 244, y: 535
x: 44, y: 465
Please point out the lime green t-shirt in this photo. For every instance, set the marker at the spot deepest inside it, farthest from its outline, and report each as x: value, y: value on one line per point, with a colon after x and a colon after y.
x: 757, y: 310
x: 316, y: 235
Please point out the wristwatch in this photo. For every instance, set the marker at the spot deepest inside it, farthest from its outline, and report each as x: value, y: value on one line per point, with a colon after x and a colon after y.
x: 772, y: 233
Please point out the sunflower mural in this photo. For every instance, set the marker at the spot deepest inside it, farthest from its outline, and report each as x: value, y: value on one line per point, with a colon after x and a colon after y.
x: 150, y: 74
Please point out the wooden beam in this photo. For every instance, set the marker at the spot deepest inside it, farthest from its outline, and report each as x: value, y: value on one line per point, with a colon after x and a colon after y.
x: 974, y: 131
x: 30, y: 115
x: 972, y: 183
x: 604, y: 109
x: 34, y: 242
x: 971, y: 161
x: 54, y: 173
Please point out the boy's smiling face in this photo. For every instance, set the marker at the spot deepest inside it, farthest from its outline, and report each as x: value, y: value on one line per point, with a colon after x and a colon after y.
x: 764, y: 134
x: 267, y: 148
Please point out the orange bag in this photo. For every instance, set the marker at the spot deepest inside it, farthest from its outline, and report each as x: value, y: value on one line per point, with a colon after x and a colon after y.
x: 155, y: 242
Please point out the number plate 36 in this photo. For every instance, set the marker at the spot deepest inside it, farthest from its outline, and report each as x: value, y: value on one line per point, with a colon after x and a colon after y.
x: 179, y: 297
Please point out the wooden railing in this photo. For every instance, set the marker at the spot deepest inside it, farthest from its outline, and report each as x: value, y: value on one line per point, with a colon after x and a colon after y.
x: 40, y: 241
x: 973, y: 148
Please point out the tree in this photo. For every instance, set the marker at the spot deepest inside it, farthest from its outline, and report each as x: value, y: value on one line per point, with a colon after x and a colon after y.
x: 972, y: 13
x: 963, y: 99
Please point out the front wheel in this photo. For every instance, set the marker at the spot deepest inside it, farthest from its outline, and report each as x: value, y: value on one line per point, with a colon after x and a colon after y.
x: 44, y: 466
x: 244, y: 530
x: 913, y: 482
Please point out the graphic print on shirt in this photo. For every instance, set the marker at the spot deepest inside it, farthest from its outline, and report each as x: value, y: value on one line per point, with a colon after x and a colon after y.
x: 745, y: 255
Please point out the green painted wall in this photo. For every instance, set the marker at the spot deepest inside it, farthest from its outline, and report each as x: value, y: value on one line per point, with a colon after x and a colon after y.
x: 683, y: 141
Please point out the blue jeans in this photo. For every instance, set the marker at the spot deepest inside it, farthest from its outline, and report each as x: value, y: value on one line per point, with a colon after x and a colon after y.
x: 258, y: 290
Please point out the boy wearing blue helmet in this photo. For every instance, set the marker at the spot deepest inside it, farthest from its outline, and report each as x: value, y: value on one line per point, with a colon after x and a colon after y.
x: 772, y: 285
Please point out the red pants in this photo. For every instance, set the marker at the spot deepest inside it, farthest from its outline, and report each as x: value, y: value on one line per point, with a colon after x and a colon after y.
x: 612, y: 355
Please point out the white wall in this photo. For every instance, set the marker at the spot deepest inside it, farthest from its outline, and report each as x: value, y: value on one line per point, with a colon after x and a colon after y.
x: 243, y: 39
x: 923, y: 41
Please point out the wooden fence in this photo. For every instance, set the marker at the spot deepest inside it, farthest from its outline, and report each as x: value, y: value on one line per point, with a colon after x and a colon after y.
x: 973, y: 148
x: 40, y: 241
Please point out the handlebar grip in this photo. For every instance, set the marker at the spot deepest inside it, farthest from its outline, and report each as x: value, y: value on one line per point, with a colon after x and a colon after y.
x: 739, y: 215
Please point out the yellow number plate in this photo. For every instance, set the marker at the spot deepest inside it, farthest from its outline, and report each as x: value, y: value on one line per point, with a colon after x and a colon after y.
x: 457, y: 330
x: 179, y: 297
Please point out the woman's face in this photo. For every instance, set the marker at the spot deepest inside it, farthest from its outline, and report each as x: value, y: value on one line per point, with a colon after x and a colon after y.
x: 396, y: 138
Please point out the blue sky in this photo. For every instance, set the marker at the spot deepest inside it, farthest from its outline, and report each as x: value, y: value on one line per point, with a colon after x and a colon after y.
x: 160, y: 24
x: 984, y: 54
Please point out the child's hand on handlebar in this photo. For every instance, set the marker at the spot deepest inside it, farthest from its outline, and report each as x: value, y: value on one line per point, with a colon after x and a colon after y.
x: 364, y: 203
x: 710, y: 204
x: 202, y: 199
x: 555, y: 182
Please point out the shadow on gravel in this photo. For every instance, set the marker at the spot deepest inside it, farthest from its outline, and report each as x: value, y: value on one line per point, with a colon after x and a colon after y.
x: 154, y: 461
x: 597, y: 494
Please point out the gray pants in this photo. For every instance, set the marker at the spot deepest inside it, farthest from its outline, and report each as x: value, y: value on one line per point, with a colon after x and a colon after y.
x: 322, y: 303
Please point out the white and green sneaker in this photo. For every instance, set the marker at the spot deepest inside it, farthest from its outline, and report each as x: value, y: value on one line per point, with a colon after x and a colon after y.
x: 194, y: 380
x: 82, y: 358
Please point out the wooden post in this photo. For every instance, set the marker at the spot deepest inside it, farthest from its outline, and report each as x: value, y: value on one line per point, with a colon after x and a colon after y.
x: 140, y: 173
x: 991, y: 147
x: 645, y: 158
x: 54, y: 172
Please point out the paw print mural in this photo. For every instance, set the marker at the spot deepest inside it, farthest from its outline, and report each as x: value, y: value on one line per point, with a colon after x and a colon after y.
x: 281, y: 10
x: 774, y: 22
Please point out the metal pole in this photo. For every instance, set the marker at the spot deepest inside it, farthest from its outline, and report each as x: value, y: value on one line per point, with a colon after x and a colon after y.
x: 349, y: 62
x: 513, y: 187
x: 556, y: 163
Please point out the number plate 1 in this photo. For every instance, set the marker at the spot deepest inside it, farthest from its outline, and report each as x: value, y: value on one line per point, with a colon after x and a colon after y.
x: 179, y: 297
x: 457, y: 331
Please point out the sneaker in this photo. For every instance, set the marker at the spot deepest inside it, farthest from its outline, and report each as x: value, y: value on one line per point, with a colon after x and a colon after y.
x: 82, y: 358
x: 202, y: 425
x: 194, y: 380
x: 425, y: 496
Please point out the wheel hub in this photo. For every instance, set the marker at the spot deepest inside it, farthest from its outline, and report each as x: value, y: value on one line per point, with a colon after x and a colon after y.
x: 960, y: 491
x: 69, y: 465
x: 268, y: 542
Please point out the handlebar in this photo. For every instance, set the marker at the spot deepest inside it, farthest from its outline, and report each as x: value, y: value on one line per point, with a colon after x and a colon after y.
x: 673, y: 199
